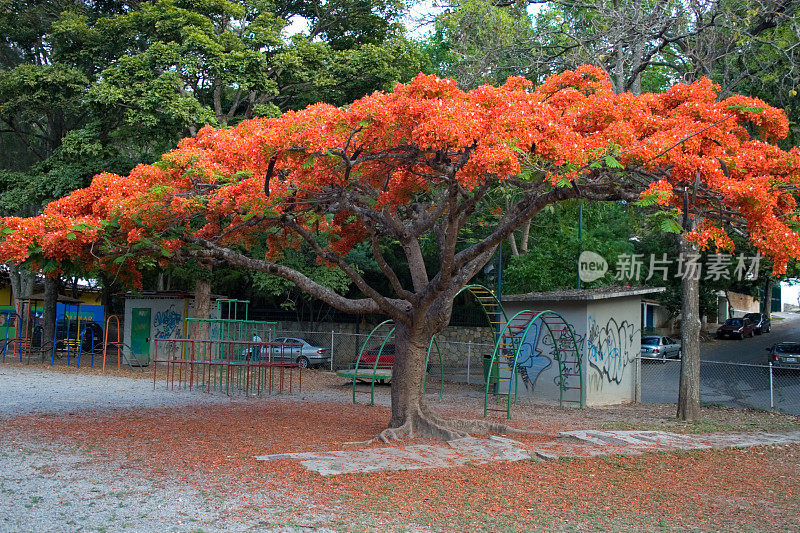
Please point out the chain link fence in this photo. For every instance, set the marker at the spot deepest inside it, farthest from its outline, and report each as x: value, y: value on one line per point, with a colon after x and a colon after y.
x: 460, y: 361
x: 722, y: 383
x: 730, y: 384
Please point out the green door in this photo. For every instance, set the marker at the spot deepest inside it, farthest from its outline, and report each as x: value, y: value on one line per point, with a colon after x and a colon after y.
x: 140, y: 334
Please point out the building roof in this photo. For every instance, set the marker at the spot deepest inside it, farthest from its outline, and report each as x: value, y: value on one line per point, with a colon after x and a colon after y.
x: 62, y: 299
x: 153, y: 295
x: 576, y: 295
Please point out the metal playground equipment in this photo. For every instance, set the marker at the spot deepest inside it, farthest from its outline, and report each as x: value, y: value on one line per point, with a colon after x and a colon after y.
x: 228, y: 354
x: 24, y: 332
x: 519, y: 339
x: 226, y: 365
x: 124, y: 352
x: 515, y: 340
x: 382, y: 371
x: 10, y: 342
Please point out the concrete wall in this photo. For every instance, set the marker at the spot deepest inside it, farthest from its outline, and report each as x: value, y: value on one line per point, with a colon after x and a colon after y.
x: 743, y: 303
x: 167, y: 317
x: 612, y: 345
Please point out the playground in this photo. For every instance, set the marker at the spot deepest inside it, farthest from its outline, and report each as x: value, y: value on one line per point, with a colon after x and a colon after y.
x: 220, y: 428
x: 231, y: 353
x: 86, y: 450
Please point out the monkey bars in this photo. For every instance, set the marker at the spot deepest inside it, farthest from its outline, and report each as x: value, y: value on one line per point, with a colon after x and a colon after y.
x: 248, y: 367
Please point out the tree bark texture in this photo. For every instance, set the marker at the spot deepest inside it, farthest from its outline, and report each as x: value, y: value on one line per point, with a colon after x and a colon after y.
x: 21, y: 283
x: 767, y: 308
x: 202, y: 306
x: 49, y: 313
x: 689, y: 389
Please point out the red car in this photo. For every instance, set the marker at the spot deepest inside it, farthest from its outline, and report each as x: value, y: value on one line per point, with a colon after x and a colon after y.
x: 736, y: 327
x: 386, y: 359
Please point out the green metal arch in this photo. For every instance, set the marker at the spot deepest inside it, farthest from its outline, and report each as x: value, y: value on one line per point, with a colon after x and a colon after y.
x: 530, y: 322
x: 480, y: 293
x: 433, y: 342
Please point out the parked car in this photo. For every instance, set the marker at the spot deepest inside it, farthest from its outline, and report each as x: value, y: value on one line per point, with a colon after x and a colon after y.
x: 785, y: 355
x: 736, y: 327
x: 761, y: 322
x: 386, y: 359
x: 658, y: 347
x: 305, y: 355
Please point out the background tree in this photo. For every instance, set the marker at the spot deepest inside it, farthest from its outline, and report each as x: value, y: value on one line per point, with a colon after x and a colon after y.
x: 87, y: 87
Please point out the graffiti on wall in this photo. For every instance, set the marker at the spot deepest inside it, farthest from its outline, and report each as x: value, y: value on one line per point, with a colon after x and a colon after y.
x: 539, y: 349
x: 167, y: 323
x: 532, y: 360
x: 610, y: 349
x: 568, y: 342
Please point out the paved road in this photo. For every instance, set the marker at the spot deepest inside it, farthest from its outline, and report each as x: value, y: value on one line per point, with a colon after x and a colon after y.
x: 734, y: 373
x: 752, y: 350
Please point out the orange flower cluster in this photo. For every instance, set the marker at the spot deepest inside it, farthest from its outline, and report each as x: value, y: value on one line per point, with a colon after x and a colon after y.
x: 386, y: 149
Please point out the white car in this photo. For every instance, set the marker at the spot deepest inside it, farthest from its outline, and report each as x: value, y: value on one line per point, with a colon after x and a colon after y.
x: 658, y: 347
x: 305, y: 355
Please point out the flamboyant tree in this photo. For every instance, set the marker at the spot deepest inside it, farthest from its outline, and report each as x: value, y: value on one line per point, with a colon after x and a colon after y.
x: 394, y: 169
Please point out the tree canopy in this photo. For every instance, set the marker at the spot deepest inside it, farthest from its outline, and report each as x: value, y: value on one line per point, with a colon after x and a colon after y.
x: 393, y: 169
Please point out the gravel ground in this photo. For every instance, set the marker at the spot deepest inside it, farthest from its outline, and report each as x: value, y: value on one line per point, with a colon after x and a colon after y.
x: 66, y: 486
x: 47, y: 487
x: 34, y: 390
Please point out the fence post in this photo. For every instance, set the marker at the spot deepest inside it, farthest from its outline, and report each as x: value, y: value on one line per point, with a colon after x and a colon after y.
x: 469, y: 356
x: 771, y: 395
x: 331, y: 349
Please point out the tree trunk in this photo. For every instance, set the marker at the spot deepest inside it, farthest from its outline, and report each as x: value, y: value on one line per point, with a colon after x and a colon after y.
x: 767, y: 308
x: 408, y: 374
x: 202, y: 306
x: 410, y: 414
x: 689, y: 391
x: 49, y: 313
x: 22, y: 283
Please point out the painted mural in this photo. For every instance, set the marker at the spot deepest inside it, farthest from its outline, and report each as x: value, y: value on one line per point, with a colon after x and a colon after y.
x: 611, y: 348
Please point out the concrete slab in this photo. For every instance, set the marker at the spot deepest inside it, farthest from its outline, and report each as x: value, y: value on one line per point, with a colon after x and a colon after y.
x: 421, y: 456
x: 470, y: 450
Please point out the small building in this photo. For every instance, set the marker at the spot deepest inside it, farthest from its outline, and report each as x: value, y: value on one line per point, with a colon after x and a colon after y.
x: 155, y: 315
x: 607, y: 324
x: 656, y: 320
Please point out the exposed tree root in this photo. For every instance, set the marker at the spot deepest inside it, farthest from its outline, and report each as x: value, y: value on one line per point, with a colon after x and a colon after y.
x: 420, y: 422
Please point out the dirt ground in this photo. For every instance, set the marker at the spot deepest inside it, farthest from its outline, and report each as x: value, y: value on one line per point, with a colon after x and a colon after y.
x: 183, y: 465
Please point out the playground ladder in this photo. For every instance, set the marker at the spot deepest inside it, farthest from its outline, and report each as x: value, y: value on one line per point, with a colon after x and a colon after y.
x: 508, y: 345
x: 569, y: 360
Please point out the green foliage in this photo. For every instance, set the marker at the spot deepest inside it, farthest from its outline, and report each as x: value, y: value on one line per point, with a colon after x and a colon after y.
x: 552, y: 259
x: 302, y: 261
x: 478, y: 41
